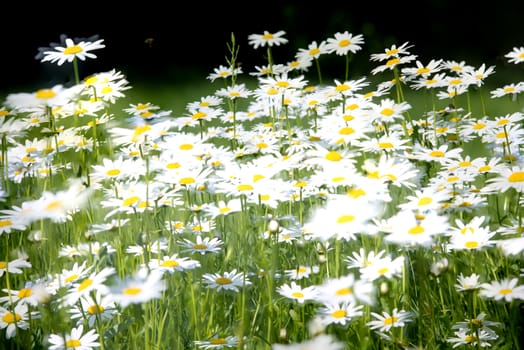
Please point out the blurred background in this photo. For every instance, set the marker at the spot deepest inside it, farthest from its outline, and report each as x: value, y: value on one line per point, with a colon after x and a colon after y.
x: 175, y: 42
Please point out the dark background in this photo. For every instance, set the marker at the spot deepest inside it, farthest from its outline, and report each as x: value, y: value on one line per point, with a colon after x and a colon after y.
x: 183, y: 40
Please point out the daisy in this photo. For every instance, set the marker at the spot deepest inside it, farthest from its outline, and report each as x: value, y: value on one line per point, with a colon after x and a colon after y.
x: 383, y: 267
x: 507, y: 178
x: 422, y: 70
x: 466, y: 337
x: 408, y: 229
x: 72, y: 50
x: 343, y: 43
x: 321, y: 341
x: 173, y: 263
x: 232, y: 280
x: 511, y: 246
x: 68, y: 276
x: 442, y: 154
x: 472, y: 240
x: 506, y: 289
x: 94, y: 307
x: 234, y: 92
x: 25, y: 295
x: 11, y: 320
x: 224, y: 72
x: 385, y: 321
x: 392, y: 52
x: 393, y: 63
x: 313, y: 51
x: 510, y: 89
x: 294, y: 291
x: 202, y: 245
x: 301, y: 272
x: 339, y: 313
x: 140, y: 288
x: 95, y: 282
x: 425, y: 199
x: 342, y: 218
x: 74, y: 340
x: 218, y: 342
x: 14, y: 266
x: 516, y: 55
x: 267, y: 39
x: 478, y: 323
x: 465, y: 283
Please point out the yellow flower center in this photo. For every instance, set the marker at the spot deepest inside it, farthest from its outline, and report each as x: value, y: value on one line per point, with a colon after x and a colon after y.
x: 45, y: 94
x: 344, y: 43
x: 297, y: 295
x: 339, y: 314
x: 416, y: 230
x: 186, y: 147
x: 223, y: 280
x: 346, y: 131
x: 505, y: 291
x: 169, y: 263
x: 132, y: 291
x: 387, y: 112
x: 333, y: 156
x: 85, y: 284
x: 423, y: 70
x: 392, y: 62
x: 390, y: 320
x: 343, y: 219
x: 471, y: 244
x: 73, y: 50
x: 424, y: 201
x: 72, y: 343
x: 11, y: 317
x: 95, y: 309
x: 344, y: 291
x: 218, y: 341
x: 5, y: 223
x: 25, y: 293
x: 187, y: 181
x: 517, y: 176
x: 130, y: 201
x: 437, y: 154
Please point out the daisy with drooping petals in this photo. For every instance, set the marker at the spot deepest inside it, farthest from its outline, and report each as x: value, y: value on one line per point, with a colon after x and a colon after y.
x: 506, y: 289
x: 516, y: 55
x: 140, y: 288
x: 95, y: 282
x: 173, y: 263
x: 14, y: 266
x: 72, y: 50
x: 74, y: 340
x: 217, y: 342
x: 385, y: 321
x: 507, y: 177
x: 267, y: 39
x: 295, y: 292
x: 465, y: 283
x: 202, y: 245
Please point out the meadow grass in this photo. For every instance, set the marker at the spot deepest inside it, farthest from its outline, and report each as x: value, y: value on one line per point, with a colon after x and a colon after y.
x: 277, y: 210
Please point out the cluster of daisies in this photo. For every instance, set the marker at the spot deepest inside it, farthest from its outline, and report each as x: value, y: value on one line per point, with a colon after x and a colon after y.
x: 273, y: 207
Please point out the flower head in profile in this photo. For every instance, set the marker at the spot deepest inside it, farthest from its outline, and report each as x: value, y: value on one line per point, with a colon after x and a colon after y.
x: 267, y: 39
x: 385, y: 321
x: 140, y: 288
x: 516, y: 55
x: 70, y: 50
x: 217, y: 342
x: 74, y: 340
x: 227, y: 281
